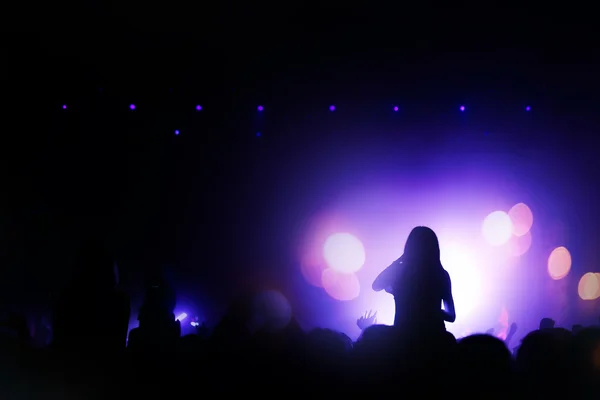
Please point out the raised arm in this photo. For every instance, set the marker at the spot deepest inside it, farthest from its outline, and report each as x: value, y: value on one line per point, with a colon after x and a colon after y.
x: 449, y: 313
x: 386, y: 278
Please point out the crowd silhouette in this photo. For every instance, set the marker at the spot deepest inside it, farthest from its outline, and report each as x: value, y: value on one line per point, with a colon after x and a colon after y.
x: 91, y: 355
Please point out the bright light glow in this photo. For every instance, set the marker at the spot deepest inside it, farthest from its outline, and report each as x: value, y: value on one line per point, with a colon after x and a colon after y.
x: 181, y: 317
x: 519, y: 245
x: 497, y: 228
x: 312, y: 268
x: 195, y: 323
x: 465, y: 276
x: 559, y: 263
x: 331, y: 108
x: 589, y: 286
x: 132, y: 106
x: 521, y: 218
x: 340, y: 286
x: 385, y: 306
x: 344, y: 252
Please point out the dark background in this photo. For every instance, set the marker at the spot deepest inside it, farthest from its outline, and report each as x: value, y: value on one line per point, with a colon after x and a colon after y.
x: 216, y: 208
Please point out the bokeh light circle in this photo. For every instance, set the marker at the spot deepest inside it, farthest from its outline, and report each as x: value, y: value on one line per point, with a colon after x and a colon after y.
x: 497, y: 228
x: 465, y: 276
x: 271, y: 311
x: 312, y: 267
x: 344, y: 252
x: 340, y: 286
x: 559, y: 263
x: 589, y: 286
x: 519, y: 245
x: 521, y: 218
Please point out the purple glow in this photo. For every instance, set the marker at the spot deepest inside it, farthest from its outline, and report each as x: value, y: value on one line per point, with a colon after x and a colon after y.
x: 344, y: 253
x: 260, y: 108
x: 462, y: 108
x: 132, y: 106
x: 194, y: 323
x: 528, y: 108
x: 176, y: 132
x: 476, y: 258
x: 64, y: 107
x: 181, y: 317
x: 331, y: 108
x: 396, y: 108
x: 497, y: 228
x: 198, y: 107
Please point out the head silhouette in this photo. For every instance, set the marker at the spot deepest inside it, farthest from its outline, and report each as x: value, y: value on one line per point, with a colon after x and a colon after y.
x: 422, y: 245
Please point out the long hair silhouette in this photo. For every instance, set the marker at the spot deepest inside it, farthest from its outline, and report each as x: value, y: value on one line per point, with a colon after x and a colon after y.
x: 419, y: 283
x: 422, y: 246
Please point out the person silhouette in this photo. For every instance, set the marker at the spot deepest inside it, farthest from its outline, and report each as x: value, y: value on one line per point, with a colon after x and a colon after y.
x: 158, y: 329
x: 419, y: 284
x: 92, y: 312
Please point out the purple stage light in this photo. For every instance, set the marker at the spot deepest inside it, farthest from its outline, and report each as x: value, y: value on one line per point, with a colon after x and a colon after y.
x: 181, y: 316
x: 176, y: 132
x: 198, y: 107
x: 260, y: 108
x: 462, y: 108
x: 132, y: 106
x: 497, y: 228
x: 195, y: 323
x: 64, y: 107
x: 528, y: 108
x: 332, y: 108
x: 396, y: 108
x: 344, y: 253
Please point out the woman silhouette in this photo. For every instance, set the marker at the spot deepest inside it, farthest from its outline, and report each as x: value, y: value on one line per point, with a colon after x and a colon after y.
x: 419, y: 284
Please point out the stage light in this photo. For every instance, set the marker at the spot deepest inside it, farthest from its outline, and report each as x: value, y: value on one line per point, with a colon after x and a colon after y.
x: 181, y: 317
x: 340, y: 286
x: 195, y: 323
x: 528, y: 108
x: 332, y: 108
x: 497, y: 228
x: 559, y: 263
x: 132, y: 106
x: 466, y: 277
x: 462, y: 108
x: 396, y: 108
x: 589, y: 286
x: 198, y: 107
x: 176, y: 132
x: 260, y: 108
x: 344, y: 253
x: 522, y: 219
x: 64, y: 107
x: 519, y: 245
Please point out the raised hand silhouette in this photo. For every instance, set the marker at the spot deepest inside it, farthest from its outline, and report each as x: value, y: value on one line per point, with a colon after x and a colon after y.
x: 203, y: 331
x: 365, y: 321
x: 513, y: 328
